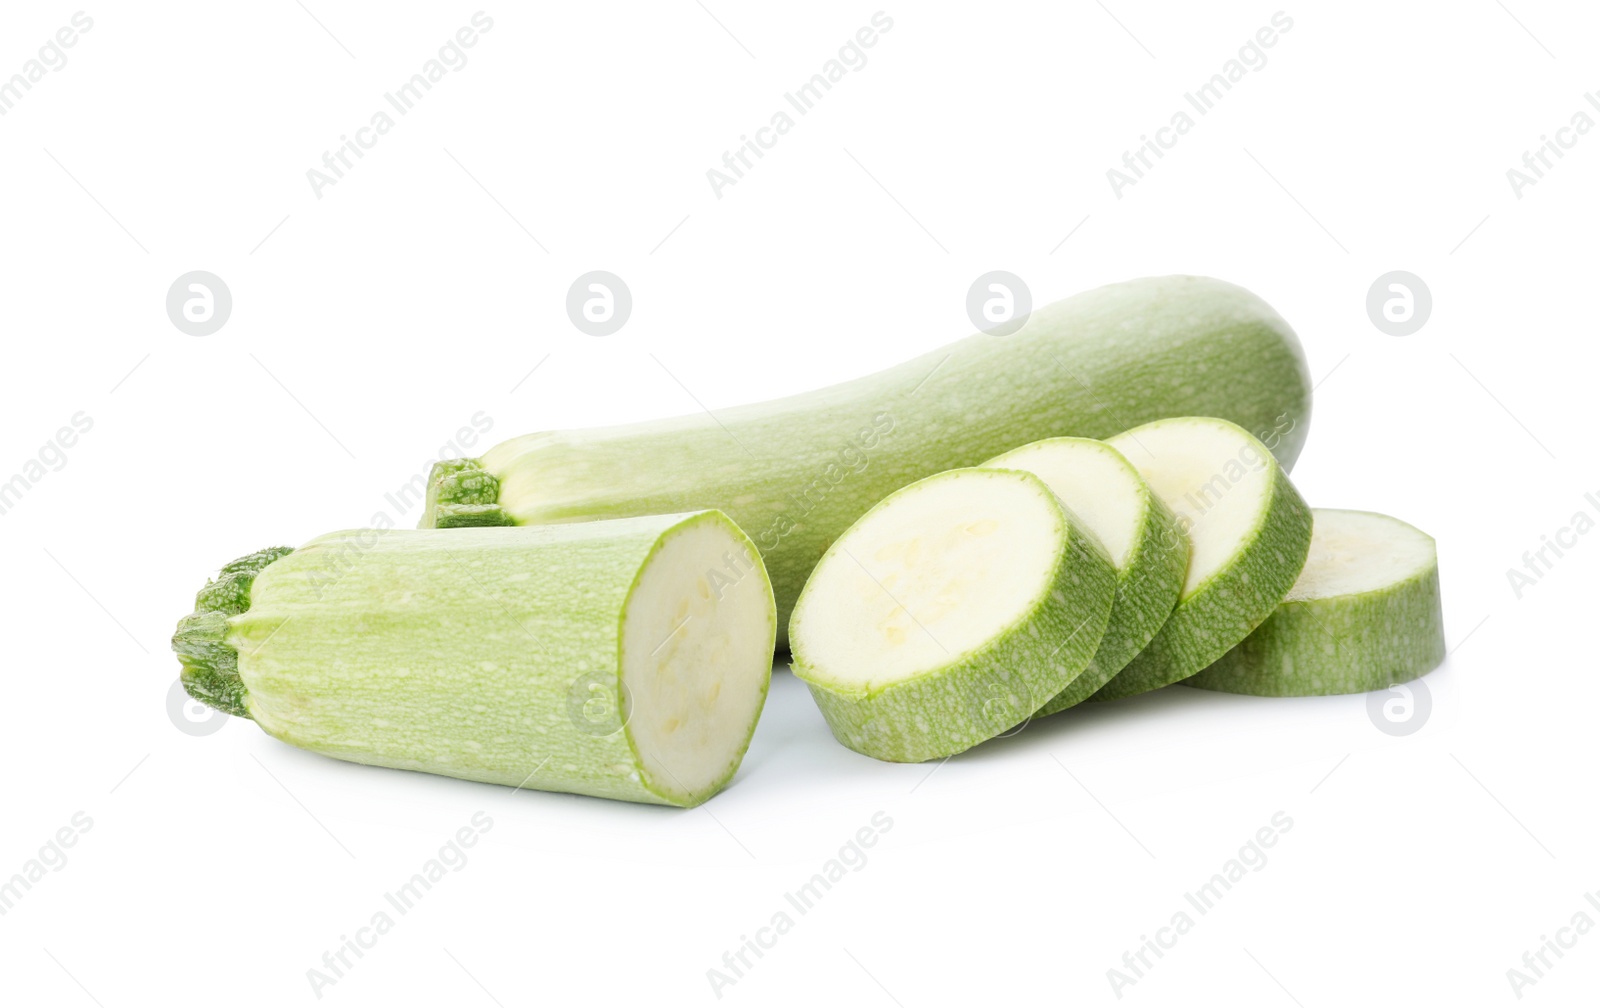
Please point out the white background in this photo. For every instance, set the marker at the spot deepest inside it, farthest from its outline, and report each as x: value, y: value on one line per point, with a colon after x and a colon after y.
x: 369, y: 324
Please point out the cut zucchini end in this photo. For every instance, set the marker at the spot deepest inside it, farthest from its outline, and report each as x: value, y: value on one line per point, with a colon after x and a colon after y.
x: 1249, y: 531
x: 949, y: 613
x: 933, y: 572
x: 1093, y: 479
x: 1214, y: 475
x: 697, y: 634
x: 211, y: 665
x: 1355, y: 552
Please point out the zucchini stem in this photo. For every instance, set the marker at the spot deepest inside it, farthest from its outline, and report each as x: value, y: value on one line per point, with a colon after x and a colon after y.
x: 210, y: 664
x: 462, y: 494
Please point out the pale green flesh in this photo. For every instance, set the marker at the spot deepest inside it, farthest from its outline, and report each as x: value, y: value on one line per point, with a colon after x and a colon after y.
x: 1139, y: 532
x: 506, y: 654
x: 950, y: 612
x: 1249, y: 531
x: 1365, y: 614
x: 796, y: 472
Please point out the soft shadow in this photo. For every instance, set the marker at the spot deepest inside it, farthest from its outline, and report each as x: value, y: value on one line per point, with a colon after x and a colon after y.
x: 1091, y: 720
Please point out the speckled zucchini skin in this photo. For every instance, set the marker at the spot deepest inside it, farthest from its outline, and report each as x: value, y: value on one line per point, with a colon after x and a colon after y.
x: 1148, y: 585
x: 1147, y: 590
x: 466, y: 652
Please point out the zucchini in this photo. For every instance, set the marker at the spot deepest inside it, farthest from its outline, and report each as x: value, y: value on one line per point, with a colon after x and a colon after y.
x: 1140, y: 534
x: 626, y: 659
x: 950, y: 612
x: 1248, y: 530
x: 1364, y: 615
x: 796, y: 472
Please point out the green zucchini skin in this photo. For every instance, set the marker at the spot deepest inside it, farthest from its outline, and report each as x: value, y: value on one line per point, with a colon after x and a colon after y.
x: 461, y: 652
x: 1146, y: 591
x: 796, y: 472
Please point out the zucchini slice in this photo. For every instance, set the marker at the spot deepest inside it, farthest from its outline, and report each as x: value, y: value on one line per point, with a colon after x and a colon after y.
x: 1364, y: 615
x: 949, y: 613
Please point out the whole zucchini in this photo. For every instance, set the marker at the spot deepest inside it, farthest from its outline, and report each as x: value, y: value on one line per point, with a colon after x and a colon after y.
x: 795, y: 473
